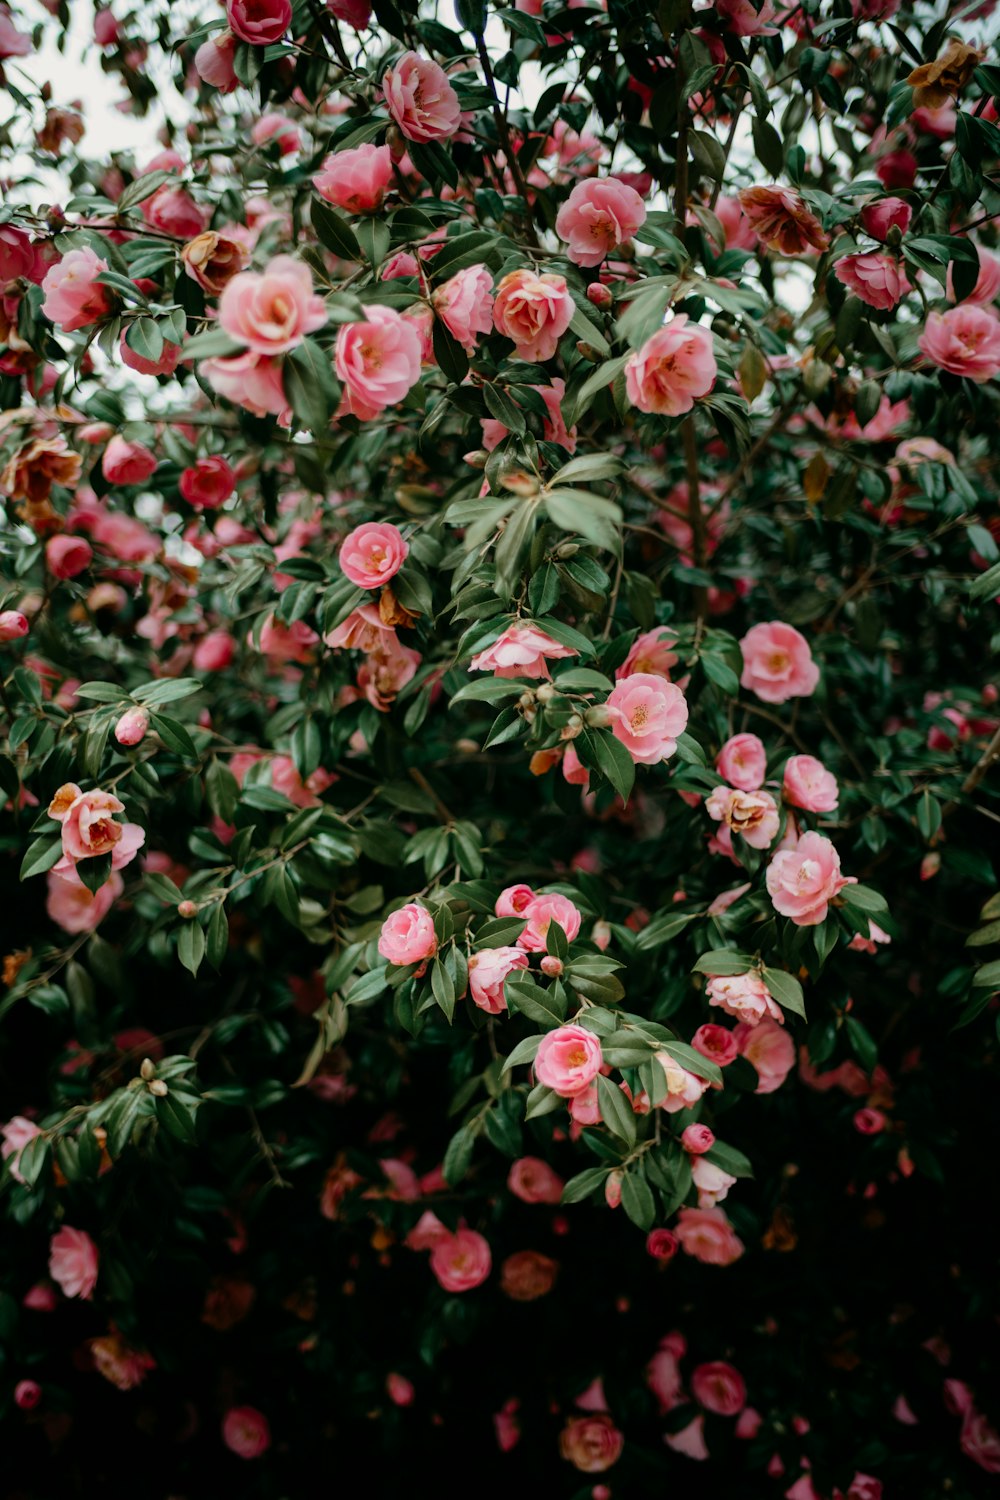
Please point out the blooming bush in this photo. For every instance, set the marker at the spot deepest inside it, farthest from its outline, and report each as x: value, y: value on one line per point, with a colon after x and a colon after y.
x: 499, y: 569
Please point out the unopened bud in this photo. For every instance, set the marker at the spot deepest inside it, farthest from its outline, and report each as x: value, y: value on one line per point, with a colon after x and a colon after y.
x: 613, y: 1189
x: 187, y: 909
x: 567, y: 549
x: 587, y: 351
x: 520, y: 483
x: 158, y: 1087
x: 527, y: 699
x: 132, y: 726
x: 552, y: 966
x: 598, y: 717
x: 572, y: 727
x: 148, y: 1069
x: 477, y: 459
x: 545, y: 692
x: 467, y: 747
x: 599, y: 295
x: 13, y: 625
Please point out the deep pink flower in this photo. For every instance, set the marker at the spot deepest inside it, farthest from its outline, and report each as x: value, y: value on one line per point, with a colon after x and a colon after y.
x: 597, y: 217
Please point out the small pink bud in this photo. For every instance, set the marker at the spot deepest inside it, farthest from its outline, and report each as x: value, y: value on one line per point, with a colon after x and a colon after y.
x: 187, y: 909
x: 990, y: 693
x: 599, y: 295
x: 27, y: 1394
x: 929, y: 865
x: 613, y: 1189
x: 552, y: 966
x: 870, y: 1121
x: 697, y: 1139
x: 132, y: 726
x: 13, y: 625
x: 67, y: 555
x: 399, y: 1389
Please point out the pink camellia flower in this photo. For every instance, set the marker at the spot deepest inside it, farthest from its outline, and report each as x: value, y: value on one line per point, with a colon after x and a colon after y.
x: 802, y: 881
x: 18, y: 1131
x: 465, y: 305
x: 420, y: 99
x: 357, y: 179
x: 719, y: 1388
x: 885, y: 214
x: 690, y: 1440
x: 13, y: 625
x: 252, y: 381
x: 568, y: 1060
x: 67, y: 556
x: 461, y: 1261
x: 407, y: 935
x: 214, y: 652
x: 73, y: 907
x: 119, y: 1363
x: 742, y: 762
x: 259, y: 22
x: 246, y: 1432
x: 647, y: 715
x: 707, y: 1234
x: 987, y: 286
x: 126, y: 462
x: 744, y: 996
x: 271, y: 311
x: 809, y: 785
x: 684, y: 1088
x: 488, y: 970
x: 172, y: 210
x: 753, y: 815
x: 207, y: 483
x: 663, y: 1373
x: 879, y: 280
x: 533, y: 311
x: 356, y: 13
x: 377, y: 361
x: 777, y: 663
x: 591, y: 1443
x: 964, y: 340
x: 533, y: 1180
x: 651, y: 653
x: 980, y: 1441
x: 514, y: 901
x: 17, y: 255
x: 769, y: 1049
x: 372, y: 554
x: 74, y: 298
x: 88, y: 825
x: 386, y: 673
x: 285, y: 643
x: 861, y: 944
x: 13, y: 43
x: 744, y: 19
x: 73, y: 1262
x: 125, y: 538
x: 165, y: 365
x: 275, y: 126
x: 27, y: 1394
x: 715, y: 1043
x: 661, y: 1245
x: 213, y: 62
x: 523, y: 650
x: 712, y: 1182
x: 597, y: 217
x: 697, y: 1139
x: 673, y: 367
x: 539, y: 912
x: 132, y: 726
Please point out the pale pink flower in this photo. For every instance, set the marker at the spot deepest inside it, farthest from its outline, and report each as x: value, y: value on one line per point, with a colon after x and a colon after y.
x: 673, y: 367
x: 592, y: 1443
x: 74, y: 298
x: 877, y: 279
x: 809, y: 785
x: 987, y: 285
x: 372, y: 554
x: 286, y: 779
x: 213, y: 62
x: 539, y: 912
x: 172, y: 210
x: 753, y: 815
x: 259, y: 22
x: 363, y: 630
x: 712, y: 1182
x: 271, y: 311
x: 534, y: 311
x: 377, y: 361
x: 285, y: 643
x: 647, y: 715
x: 385, y: 673
x: 861, y: 944
x: 252, y: 381
x: 777, y: 663
x: 885, y: 214
x: 554, y: 429
x: 16, y: 1134
x: 73, y: 907
x: 357, y: 179
x: 663, y: 1373
x: 461, y: 1261
x: 690, y: 1440
x: 568, y: 1060
x: 132, y: 726
x: 720, y: 1388
x: 420, y: 99
x: 964, y: 340
x: 735, y: 224
x: 277, y: 127
x: 742, y: 762
x: 597, y: 217
x: 523, y: 650
x: 87, y: 818
x: 73, y: 1262
x: 245, y: 1430
x: 407, y: 935
x: 488, y: 969
x: 464, y: 303
x: 684, y: 1088
x: 802, y: 881
x: 13, y: 43
x: 533, y: 1180
x: 744, y: 996
x: 650, y: 653
x: 769, y: 1049
x: 707, y: 1234
x: 126, y: 462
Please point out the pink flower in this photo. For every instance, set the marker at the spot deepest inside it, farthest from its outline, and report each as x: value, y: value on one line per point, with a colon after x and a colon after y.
x: 165, y: 365
x: 568, y: 1060
x: 744, y: 996
x: 987, y: 285
x: 533, y: 1180
x: 801, y: 881
x: 964, y: 340
x: 74, y: 298
x: 17, y: 255
x: 716, y: 1043
x: 401, y: 1392
x: 597, y: 217
x: 131, y: 727
x: 769, y: 1049
x: 208, y: 483
x: 885, y: 214
x: 719, y: 1388
x: 523, y: 650
x: 377, y: 361
x: 539, y: 912
x: 174, y: 211
x: 877, y: 279
x: 647, y: 715
x: 372, y: 554
x: 809, y: 785
x: 214, y: 652
x: 533, y: 311
x: 487, y: 971
x: 650, y: 653
x: 286, y: 779
x: 27, y: 1393
x: 514, y: 901
x: 283, y: 642
x: 17, y: 1133
x: 356, y: 13
x: 753, y: 815
x: 465, y: 305
x: 407, y: 935
x: 781, y: 220
x: 277, y: 127
x: 707, y: 1234
x: 673, y: 367
x: 684, y: 1088
x: 743, y: 18
x: 661, y: 1245
x: 13, y: 43
x: 357, y: 179
x: 712, y: 1182
x: 690, y: 1440
x: 73, y: 1262
x: 592, y: 1443
x: 777, y: 663
x: 125, y: 462
x: 251, y: 381
x: 261, y: 23
x: 88, y: 826
x: 385, y: 673
x: 73, y: 907
x: 271, y: 311
x: 554, y: 428
x: 421, y: 100
x: 742, y: 762
x: 461, y: 1261
x: 245, y: 1430
x: 67, y: 556
x: 697, y: 1139
x: 13, y: 625
x: 980, y: 1442
x: 213, y: 62
x: 663, y: 1373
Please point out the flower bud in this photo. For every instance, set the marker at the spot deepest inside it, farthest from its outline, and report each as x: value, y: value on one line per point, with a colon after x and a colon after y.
x: 599, y: 295
x: 132, y: 726
x: 187, y: 909
x: 598, y: 717
x: 587, y: 351
x: 697, y: 1139
x: 545, y: 692
x: 27, y: 1394
x: 158, y: 1087
x: 613, y: 1188
x: 148, y: 1069
x: 552, y: 966
x: 13, y: 625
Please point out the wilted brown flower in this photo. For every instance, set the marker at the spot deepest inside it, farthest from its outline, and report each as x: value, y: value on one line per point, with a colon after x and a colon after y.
x: 60, y: 125
x: 212, y: 259
x: 37, y: 466
x: 934, y: 83
x: 780, y: 219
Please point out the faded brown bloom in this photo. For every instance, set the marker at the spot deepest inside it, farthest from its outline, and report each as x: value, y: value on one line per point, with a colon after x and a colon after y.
x: 528, y: 1275
x: 60, y: 125
x: 227, y: 1302
x: 391, y: 612
x: 936, y: 82
x: 780, y: 218
x: 37, y: 466
x: 212, y: 259
x: 13, y: 963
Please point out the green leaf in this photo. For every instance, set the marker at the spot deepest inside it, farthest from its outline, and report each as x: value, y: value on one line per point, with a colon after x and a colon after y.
x: 988, y: 977
x: 524, y: 1052
x: 310, y: 386
x: 616, y: 1111
x: 863, y: 1044
x: 488, y: 690
x: 786, y: 990
x: 544, y: 1006
x: 723, y: 962
x: 174, y: 736
x: 728, y: 1159
x: 542, y: 1101
x: 458, y: 1156
x: 984, y: 936
x: 191, y: 945
x: 162, y: 887
x: 584, y: 1184
x: 443, y: 988
x: 333, y: 231
x: 40, y: 856
x: 177, y: 1115
x: 217, y: 936
x: 864, y: 898
x: 637, y: 1199
x: 613, y: 760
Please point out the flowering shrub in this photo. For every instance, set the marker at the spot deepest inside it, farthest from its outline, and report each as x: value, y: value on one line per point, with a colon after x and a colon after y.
x: 499, y: 563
